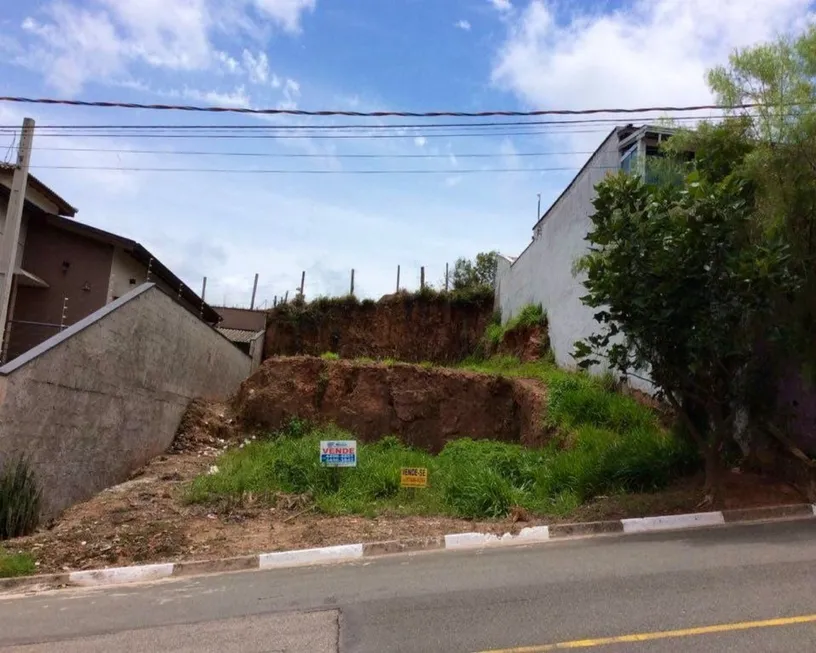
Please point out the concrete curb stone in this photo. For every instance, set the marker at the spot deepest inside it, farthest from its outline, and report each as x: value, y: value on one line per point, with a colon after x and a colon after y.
x: 352, y: 552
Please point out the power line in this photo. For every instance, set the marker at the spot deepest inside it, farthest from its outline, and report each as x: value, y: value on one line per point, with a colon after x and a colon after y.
x: 414, y: 171
x: 291, y: 155
x: 242, y: 127
x: 320, y: 136
x: 369, y: 114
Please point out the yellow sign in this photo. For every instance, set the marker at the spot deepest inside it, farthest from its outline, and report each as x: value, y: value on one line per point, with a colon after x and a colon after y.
x: 414, y: 477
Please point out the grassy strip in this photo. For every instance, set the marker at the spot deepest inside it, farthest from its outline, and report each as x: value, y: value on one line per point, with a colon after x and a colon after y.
x: 611, y: 444
x: 16, y: 564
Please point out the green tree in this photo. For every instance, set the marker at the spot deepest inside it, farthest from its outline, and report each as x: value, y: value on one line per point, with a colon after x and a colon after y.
x: 683, y: 291
x: 479, y: 272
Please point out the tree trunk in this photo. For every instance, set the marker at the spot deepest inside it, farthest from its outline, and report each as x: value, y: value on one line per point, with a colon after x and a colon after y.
x: 713, y: 477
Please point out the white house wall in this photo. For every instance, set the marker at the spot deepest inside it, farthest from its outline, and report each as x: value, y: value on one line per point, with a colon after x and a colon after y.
x: 543, y: 274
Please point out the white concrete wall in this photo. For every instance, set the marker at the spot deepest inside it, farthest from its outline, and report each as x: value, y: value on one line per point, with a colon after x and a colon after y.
x: 96, y: 402
x: 543, y: 273
x: 124, y: 268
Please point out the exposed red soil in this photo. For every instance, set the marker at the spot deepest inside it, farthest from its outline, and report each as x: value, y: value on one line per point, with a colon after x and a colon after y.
x: 402, y: 326
x: 527, y: 343
x: 425, y: 407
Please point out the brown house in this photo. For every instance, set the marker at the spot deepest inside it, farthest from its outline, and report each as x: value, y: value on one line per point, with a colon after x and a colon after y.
x: 66, y: 270
x: 246, y: 328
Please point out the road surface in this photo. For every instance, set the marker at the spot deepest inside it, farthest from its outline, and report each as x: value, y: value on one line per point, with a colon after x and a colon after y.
x: 741, y: 588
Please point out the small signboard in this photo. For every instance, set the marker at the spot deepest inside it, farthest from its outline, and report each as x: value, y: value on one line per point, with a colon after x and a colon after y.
x: 338, y: 453
x: 414, y: 476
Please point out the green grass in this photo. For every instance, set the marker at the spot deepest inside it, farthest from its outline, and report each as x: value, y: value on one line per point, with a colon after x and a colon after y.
x: 20, y: 499
x: 16, y: 564
x: 610, y: 444
x: 529, y: 316
x: 330, y: 356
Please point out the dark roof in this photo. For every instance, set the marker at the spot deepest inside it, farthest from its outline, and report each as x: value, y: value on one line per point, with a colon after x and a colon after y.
x: 239, y: 335
x: 62, y: 206
x: 140, y: 253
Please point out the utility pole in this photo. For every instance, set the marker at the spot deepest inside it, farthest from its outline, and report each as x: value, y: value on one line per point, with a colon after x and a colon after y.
x: 254, y: 290
x: 14, y: 218
x: 203, y: 289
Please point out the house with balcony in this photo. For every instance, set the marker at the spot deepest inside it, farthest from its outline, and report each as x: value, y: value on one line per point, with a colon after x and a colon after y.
x: 544, y: 272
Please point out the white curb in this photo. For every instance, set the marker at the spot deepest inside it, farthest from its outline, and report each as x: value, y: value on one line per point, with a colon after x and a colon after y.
x: 116, y: 575
x: 672, y: 522
x: 534, y: 534
x: 477, y: 540
x: 310, y: 556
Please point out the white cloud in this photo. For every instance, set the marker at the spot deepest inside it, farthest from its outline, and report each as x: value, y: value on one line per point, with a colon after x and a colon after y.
x: 286, y: 13
x: 502, y: 5
x: 235, y: 98
x: 420, y: 141
x: 654, y: 53
x: 102, y: 41
x: 462, y: 24
x: 256, y: 67
x: 291, y: 94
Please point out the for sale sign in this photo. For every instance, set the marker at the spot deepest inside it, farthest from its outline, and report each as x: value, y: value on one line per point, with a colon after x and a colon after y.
x: 338, y: 453
x: 414, y: 477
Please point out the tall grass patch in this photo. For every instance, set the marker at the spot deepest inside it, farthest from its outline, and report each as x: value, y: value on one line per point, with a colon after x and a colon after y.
x: 20, y: 499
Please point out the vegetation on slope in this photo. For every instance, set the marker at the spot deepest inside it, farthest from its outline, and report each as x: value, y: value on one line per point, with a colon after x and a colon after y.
x: 608, y: 444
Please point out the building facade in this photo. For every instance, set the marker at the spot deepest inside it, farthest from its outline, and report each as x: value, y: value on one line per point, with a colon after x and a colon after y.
x: 544, y: 273
x: 66, y: 270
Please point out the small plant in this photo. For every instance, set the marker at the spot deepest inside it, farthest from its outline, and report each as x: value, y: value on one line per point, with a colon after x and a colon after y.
x: 330, y: 356
x: 16, y: 564
x: 529, y: 316
x: 20, y: 499
x: 426, y: 365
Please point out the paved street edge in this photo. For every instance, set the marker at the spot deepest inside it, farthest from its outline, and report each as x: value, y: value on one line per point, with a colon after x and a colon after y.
x: 351, y: 552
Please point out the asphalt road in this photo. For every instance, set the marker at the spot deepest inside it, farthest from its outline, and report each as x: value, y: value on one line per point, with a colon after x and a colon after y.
x: 707, y: 590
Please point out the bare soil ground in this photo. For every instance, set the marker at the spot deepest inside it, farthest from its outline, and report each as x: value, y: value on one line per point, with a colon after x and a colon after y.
x: 146, y: 520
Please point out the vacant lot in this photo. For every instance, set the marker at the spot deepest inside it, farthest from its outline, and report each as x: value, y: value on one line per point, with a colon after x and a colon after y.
x: 226, y: 491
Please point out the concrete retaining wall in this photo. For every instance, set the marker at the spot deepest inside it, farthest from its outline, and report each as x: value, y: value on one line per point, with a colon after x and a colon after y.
x: 96, y: 402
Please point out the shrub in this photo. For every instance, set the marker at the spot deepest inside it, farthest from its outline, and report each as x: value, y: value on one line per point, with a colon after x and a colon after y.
x: 20, y: 499
x: 16, y: 564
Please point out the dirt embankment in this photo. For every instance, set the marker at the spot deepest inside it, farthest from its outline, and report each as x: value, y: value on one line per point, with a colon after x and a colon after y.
x: 527, y: 343
x: 404, y: 327
x: 425, y: 407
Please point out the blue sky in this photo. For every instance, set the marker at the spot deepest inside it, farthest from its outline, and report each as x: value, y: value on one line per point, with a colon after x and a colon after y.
x: 359, y: 55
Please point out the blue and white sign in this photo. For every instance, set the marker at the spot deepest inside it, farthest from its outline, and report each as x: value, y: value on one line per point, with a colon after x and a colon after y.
x: 338, y: 453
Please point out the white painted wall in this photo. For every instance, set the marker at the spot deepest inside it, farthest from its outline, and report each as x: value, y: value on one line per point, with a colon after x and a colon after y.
x: 542, y: 274
x: 124, y: 268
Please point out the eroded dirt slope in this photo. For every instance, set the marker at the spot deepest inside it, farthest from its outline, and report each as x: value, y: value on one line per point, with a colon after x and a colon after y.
x: 425, y: 407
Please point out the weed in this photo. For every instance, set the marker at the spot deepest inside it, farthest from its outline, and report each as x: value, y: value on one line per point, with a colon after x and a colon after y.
x: 530, y: 315
x: 330, y: 356
x: 16, y: 564
x: 20, y: 499
x: 426, y: 365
